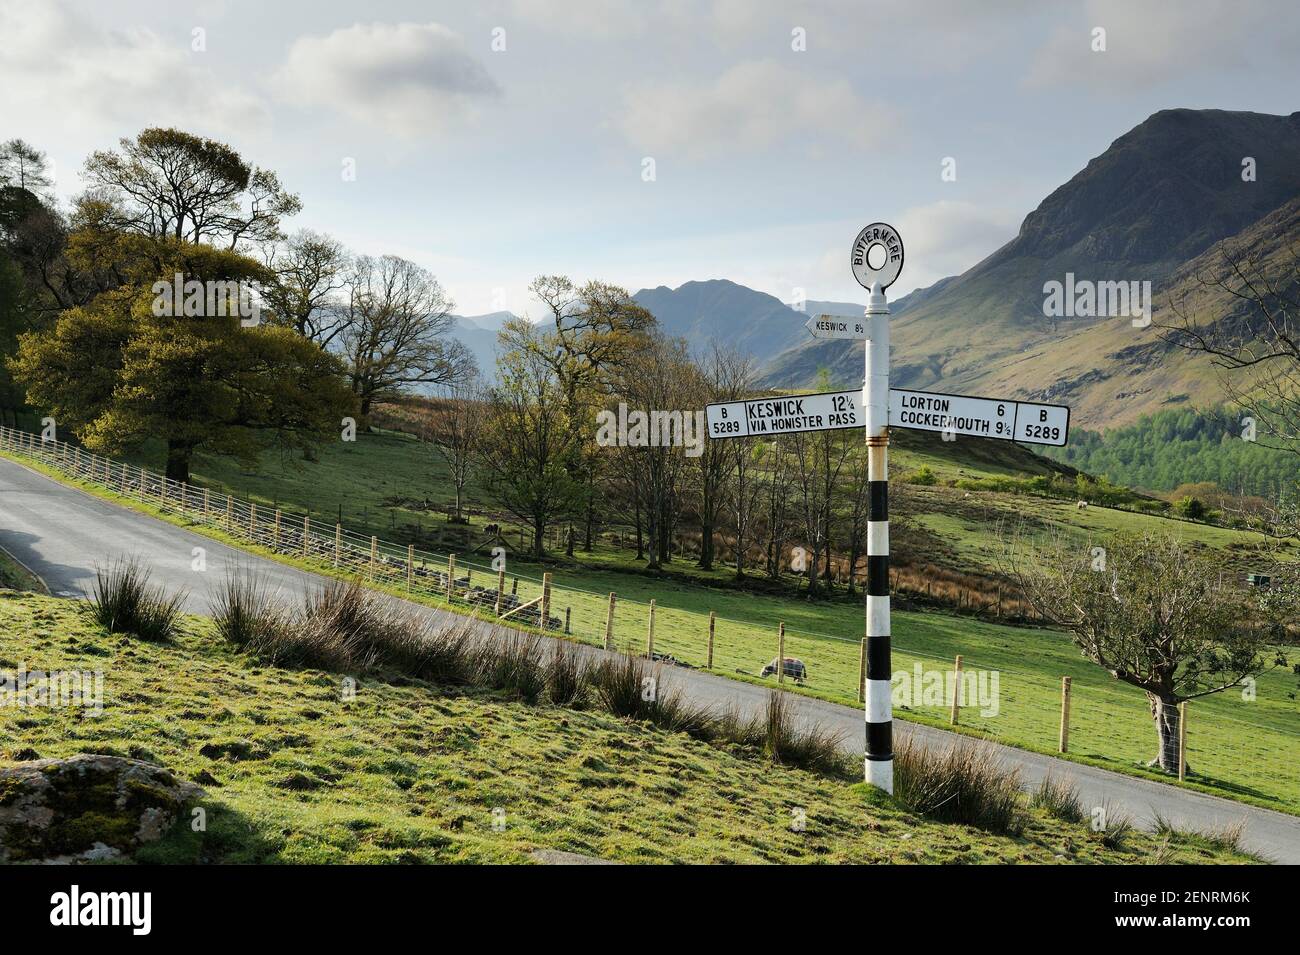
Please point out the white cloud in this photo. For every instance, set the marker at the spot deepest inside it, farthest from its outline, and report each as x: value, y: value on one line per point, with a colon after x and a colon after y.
x: 56, y: 64
x: 1148, y: 44
x: 410, y: 78
x: 752, y: 105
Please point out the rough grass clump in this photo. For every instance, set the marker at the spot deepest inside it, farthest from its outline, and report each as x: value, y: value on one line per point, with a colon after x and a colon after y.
x: 965, y: 782
x: 246, y: 615
x: 1059, y: 798
x: 123, y: 601
x: 514, y: 665
x: 630, y: 687
x: 1111, y: 827
x: 566, y: 676
x: 816, y: 748
x: 343, y: 626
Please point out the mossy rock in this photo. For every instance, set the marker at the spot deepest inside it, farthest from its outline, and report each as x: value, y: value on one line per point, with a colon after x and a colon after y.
x: 90, y: 806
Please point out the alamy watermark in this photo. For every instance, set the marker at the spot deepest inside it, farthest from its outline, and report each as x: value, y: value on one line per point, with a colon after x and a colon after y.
x: 53, y: 688
x: 922, y: 687
x: 1085, y: 298
x: 207, y: 299
x: 654, y: 429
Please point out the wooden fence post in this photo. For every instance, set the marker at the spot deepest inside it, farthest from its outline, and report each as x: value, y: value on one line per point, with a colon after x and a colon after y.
x: 410, y: 565
x: 1182, y: 741
x: 780, y: 653
x: 713, y: 621
x: 205, y: 503
x: 252, y: 521
x: 650, y: 634
x: 1065, y: 714
x: 275, y: 537
x: 306, y: 535
x: 338, y: 543
x: 956, y: 692
x: 546, y: 600
x: 374, y: 555
x: 230, y: 505
x: 609, y: 620
x: 567, y: 611
x: 501, y: 586
x: 451, y: 575
x: 862, y: 670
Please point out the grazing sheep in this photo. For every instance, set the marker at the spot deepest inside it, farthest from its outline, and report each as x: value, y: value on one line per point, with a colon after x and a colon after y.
x: 1082, y: 505
x: 794, y: 669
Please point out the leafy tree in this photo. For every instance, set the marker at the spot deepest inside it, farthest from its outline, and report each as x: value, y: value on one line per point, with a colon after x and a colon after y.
x: 1192, y: 508
x: 1155, y: 614
x: 166, y: 182
x: 117, y: 373
x: 24, y: 167
x: 527, y: 442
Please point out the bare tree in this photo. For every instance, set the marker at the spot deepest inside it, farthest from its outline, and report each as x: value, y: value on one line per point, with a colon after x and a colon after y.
x: 1151, y: 611
x: 1244, y: 314
x: 397, y: 333
x: 311, y: 270
x: 727, y: 375
x: 456, y: 430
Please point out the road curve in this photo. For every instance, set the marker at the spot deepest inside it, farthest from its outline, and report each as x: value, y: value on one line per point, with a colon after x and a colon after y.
x: 63, y: 534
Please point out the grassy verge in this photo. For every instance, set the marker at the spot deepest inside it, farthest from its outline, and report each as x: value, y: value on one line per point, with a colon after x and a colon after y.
x: 14, y: 576
x: 1239, y: 748
x: 299, y: 771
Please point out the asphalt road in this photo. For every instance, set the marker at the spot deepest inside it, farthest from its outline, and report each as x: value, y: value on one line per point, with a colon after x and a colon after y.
x: 63, y: 534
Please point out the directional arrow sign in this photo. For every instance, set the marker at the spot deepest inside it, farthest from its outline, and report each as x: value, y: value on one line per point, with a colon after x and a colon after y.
x: 1009, y: 420
x: 821, y: 412
x: 838, y: 326
x: 1024, y: 421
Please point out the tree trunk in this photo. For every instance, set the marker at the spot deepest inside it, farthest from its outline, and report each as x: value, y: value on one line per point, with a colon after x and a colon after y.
x: 539, y: 539
x: 178, y: 460
x: 640, y: 538
x: 1166, y: 716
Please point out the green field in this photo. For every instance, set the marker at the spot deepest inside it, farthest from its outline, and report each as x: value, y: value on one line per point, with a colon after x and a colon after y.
x: 412, y: 772
x: 1237, y: 748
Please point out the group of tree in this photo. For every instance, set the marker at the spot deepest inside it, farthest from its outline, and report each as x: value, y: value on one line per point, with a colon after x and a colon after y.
x: 82, y: 337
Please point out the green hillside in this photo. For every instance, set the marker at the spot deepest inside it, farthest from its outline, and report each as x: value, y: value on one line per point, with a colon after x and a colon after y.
x: 414, y: 772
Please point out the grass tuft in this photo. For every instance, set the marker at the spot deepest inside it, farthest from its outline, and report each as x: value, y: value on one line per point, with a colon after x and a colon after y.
x: 965, y: 782
x: 1059, y: 798
x: 123, y: 601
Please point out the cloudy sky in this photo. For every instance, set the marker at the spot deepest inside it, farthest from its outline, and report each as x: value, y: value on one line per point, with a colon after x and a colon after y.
x: 643, y: 142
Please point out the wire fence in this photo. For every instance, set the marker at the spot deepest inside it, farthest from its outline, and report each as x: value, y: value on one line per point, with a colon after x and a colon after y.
x: 1106, y: 720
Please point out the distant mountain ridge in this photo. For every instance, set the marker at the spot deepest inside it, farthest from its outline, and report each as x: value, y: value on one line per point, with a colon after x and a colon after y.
x: 1157, y: 199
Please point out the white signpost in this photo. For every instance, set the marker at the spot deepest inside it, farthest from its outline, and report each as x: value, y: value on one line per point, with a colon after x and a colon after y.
x: 876, y: 260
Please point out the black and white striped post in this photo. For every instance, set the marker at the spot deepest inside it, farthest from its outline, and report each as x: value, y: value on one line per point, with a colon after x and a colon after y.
x: 878, y: 708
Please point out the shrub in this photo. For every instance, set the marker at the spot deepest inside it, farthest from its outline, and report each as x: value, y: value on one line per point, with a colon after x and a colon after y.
x: 965, y: 782
x: 124, y: 602
x: 923, y: 476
